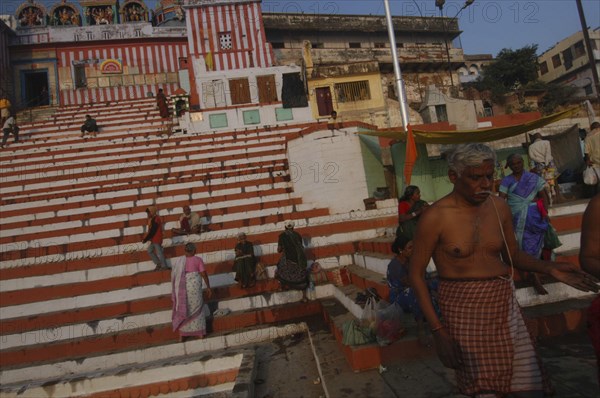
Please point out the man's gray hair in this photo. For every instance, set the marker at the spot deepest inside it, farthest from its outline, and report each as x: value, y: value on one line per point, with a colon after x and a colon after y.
x: 469, y: 155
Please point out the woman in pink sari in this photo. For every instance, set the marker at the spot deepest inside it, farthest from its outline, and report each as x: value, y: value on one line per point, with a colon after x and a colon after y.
x: 189, y: 309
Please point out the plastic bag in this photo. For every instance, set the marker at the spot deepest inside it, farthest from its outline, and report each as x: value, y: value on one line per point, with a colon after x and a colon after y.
x: 317, y: 275
x: 354, y: 334
x: 368, y: 316
x: 389, y: 326
x: 589, y: 176
x: 261, y: 272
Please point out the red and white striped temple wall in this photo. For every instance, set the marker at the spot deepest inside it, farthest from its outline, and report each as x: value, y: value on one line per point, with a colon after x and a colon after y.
x: 145, y: 69
x: 239, y: 24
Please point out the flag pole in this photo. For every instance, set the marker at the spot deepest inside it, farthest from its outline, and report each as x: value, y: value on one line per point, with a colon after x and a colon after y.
x: 397, y: 72
x: 411, y: 148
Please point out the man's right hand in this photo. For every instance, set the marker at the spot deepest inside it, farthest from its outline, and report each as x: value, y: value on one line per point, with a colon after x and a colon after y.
x: 447, y: 349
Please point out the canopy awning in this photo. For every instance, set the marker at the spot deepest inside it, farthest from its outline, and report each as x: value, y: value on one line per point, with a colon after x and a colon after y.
x: 481, y: 135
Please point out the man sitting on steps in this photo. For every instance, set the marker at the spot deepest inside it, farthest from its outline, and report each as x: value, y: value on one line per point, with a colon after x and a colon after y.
x: 190, y: 223
x: 89, y: 126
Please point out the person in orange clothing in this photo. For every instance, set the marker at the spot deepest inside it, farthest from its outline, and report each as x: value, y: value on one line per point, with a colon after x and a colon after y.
x: 155, y: 237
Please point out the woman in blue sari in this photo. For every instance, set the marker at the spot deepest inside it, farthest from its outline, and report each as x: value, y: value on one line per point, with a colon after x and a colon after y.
x: 401, y: 293
x: 527, y: 199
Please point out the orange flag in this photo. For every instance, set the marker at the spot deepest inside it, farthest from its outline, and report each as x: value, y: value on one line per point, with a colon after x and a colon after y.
x: 411, y: 155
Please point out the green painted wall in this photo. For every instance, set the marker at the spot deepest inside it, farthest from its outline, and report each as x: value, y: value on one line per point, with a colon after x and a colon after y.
x: 431, y: 175
x: 422, y: 172
x: 372, y: 163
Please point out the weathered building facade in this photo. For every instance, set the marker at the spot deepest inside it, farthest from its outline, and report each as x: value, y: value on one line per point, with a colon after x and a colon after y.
x: 568, y: 63
x: 349, y: 65
x: 99, y: 50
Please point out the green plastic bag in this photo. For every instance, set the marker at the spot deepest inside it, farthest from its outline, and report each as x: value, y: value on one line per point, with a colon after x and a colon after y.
x: 551, y: 240
x: 354, y: 334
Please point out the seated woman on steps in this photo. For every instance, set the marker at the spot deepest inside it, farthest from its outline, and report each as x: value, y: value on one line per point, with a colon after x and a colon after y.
x: 401, y: 293
x: 189, y: 309
x: 410, y: 207
x: 244, y: 264
x: 291, y: 269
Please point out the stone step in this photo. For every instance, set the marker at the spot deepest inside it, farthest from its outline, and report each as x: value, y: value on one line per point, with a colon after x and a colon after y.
x: 27, y: 223
x: 103, y: 222
x: 280, y: 307
x: 103, y: 118
x: 200, y: 378
x: 130, y: 149
x: 97, y: 175
x: 127, y: 132
x: 128, y: 144
x: 123, y: 362
x: 326, y: 230
x: 220, y: 210
x: 129, y: 237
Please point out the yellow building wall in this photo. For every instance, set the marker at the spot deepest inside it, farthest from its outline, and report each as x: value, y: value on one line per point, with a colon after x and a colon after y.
x: 376, y: 101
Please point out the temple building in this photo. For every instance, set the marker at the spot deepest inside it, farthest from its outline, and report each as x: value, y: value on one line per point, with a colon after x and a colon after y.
x: 227, y: 56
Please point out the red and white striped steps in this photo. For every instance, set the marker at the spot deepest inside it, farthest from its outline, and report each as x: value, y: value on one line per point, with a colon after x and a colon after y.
x: 93, y: 279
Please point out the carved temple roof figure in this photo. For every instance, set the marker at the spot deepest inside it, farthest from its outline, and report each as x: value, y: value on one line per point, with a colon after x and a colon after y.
x: 31, y: 14
x: 134, y: 11
x: 100, y: 12
x: 64, y: 14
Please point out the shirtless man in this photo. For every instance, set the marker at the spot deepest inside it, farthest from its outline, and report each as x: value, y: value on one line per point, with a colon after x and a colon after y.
x: 470, y: 235
x: 589, y: 258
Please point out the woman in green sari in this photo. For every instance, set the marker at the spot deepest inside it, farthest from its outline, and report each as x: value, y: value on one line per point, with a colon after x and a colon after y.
x: 410, y: 207
x: 245, y: 262
x: 291, y: 269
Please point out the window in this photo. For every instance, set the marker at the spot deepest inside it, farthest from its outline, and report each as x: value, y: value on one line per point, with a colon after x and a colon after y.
x: 588, y: 89
x: 353, y: 45
x: 217, y: 120
x: 556, y: 61
x: 379, y: 45
x: 239, y: 90
x: 105, y: 35
x: 441, y: 113
x: 267, y: 91
x: 278, y: 44
x: 213, y: 94
x: 488, y: 111
x: 578, y: 49
x: 544, y: 68
x: 80, y: 80
x: 568, y: 58
x: 225, y: 41
x: 251, y: 116
x: 353, y: 91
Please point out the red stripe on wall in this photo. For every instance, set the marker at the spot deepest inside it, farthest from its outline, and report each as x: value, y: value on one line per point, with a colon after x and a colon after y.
x: 249, y: 49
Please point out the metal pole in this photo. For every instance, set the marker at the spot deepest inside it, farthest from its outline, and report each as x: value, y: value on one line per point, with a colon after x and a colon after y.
x: 445, y: 26
x: 396, y: 62
x: 588, y: 47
